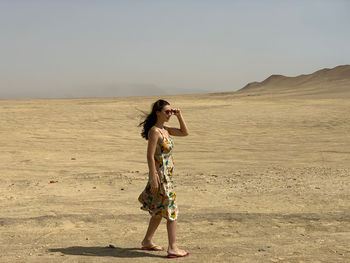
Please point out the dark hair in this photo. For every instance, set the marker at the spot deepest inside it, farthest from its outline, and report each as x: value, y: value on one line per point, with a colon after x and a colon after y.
x: 151, y: 118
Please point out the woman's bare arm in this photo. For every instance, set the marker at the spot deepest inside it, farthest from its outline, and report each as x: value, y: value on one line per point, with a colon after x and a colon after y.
x: 151, y: 149
x: 183, y: 131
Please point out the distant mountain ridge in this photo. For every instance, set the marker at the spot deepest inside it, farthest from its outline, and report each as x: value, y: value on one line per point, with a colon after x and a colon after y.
x: 332, y: 82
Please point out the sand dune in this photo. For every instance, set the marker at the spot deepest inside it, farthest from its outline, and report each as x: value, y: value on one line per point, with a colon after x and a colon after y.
x: 259, y: 179
x: 325, y: 83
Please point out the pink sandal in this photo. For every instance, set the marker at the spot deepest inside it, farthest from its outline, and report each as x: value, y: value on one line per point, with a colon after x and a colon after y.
x: 153, y: 248
x: 178, y: 256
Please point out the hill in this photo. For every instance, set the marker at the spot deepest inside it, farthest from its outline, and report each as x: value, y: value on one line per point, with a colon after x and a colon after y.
x: 324, y: 83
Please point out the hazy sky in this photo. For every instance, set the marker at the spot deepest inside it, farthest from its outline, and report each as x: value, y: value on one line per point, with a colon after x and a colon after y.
x: 72, y: 48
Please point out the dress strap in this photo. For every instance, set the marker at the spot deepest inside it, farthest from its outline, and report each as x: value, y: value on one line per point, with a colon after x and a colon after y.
x: 161, y: 133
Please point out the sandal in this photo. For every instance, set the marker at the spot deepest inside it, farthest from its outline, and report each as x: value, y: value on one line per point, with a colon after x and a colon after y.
x: 178, y: 256
x: 153, y: 248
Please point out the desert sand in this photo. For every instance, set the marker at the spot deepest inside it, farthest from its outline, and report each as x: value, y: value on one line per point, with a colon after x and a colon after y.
x: 258, y: 179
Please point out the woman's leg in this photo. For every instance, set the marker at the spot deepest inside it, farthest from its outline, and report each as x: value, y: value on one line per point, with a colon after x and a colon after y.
x: 173, y: 249
x: 171, y: 227
x: 152, y: 227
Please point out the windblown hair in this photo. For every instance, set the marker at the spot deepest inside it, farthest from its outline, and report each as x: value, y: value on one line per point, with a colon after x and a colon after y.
x: 151, y: 118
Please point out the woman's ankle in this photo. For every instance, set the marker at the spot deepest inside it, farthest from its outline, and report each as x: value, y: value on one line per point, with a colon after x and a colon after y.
x: 146, y: 241
x: 172, y: 247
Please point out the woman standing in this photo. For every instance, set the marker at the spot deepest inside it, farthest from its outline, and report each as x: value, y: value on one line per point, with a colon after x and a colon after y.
x: 158, y: 197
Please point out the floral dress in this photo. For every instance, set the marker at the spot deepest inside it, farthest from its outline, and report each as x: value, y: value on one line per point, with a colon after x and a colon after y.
x: 164, y: 201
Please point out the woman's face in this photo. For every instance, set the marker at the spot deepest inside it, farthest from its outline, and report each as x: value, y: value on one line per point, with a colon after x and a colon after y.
x: 165, y: 113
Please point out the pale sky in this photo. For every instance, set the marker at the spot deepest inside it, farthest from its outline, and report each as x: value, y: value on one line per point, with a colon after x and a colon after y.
x: 83, y: 48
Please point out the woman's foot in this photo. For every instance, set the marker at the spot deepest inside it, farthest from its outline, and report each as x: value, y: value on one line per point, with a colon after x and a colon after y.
x: 176, y: 252
x: 151, y: 246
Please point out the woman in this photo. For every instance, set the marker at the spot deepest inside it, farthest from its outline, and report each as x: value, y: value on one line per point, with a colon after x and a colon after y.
x: 158, y: 197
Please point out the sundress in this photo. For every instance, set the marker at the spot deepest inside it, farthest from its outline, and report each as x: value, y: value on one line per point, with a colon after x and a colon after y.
x: 164, y: 201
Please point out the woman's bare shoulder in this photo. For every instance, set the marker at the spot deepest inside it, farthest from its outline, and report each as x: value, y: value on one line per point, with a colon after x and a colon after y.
x: 153, y: 131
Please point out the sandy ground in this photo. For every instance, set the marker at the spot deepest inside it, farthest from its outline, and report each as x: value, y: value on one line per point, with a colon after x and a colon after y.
x: 259, y: 179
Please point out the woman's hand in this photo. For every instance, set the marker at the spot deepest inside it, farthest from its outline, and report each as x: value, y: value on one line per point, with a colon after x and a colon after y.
x: 176, y: 111
x: 154, y: 185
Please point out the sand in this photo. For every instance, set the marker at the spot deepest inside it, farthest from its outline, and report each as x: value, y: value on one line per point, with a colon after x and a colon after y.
x: 259, y: 179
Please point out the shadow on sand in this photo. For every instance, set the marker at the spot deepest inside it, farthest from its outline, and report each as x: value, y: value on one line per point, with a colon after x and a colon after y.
x: 106, y: 252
